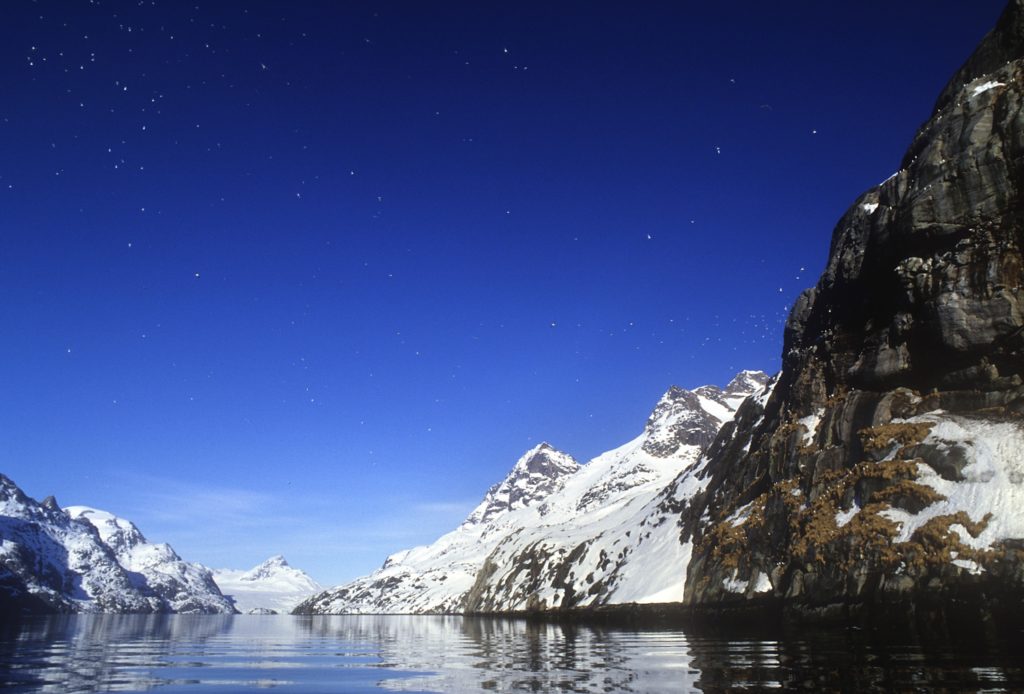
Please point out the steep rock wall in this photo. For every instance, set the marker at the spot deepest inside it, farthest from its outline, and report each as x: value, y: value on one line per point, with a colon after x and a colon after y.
x: 883, y: 464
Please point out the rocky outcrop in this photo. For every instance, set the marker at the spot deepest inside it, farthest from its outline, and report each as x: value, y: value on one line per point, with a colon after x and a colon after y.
x: 886, y: 465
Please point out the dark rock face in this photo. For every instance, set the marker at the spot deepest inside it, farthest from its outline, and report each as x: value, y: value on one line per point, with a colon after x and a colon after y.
x: 691, y: 425
x: 920, y: 310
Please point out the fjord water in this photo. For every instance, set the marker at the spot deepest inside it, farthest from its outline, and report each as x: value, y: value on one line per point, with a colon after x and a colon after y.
x: 179, y: 653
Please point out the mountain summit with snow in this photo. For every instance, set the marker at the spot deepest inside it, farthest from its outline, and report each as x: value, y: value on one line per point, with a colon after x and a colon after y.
x: 274, y: 586
x: 539, y: 472
x: 185, y: 586
x: 85, y: 560
x: 555, y: 533
x: 271, y: 568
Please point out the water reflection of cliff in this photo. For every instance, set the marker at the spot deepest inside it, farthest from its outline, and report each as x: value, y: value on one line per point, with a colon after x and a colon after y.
x: 856, y: 660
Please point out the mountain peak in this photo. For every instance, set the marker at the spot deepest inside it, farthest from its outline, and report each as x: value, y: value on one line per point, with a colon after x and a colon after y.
x: 534, y: 476
x: 554, y: 532
x: 692, y: 418
x: 274, y: 586
x: 10, y: 491
x: 546, y: 460
x: 746, y: 383
x: 678, y: 420
x: 86, y: 560
x: 269, y: 568
x: 119, y: 534
x: 674, y: 394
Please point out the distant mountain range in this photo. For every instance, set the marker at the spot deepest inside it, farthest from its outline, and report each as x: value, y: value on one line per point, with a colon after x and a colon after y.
x: 581, y: 518
x: 555, y: 533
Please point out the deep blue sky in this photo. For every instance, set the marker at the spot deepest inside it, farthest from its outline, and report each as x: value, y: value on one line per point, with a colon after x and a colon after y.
x: 308, y: 277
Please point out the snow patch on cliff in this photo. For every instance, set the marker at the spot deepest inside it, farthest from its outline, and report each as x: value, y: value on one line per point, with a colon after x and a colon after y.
x: 993, y: 478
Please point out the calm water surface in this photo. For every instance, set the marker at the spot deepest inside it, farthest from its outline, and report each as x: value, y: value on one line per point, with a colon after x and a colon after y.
x: 453, y: 654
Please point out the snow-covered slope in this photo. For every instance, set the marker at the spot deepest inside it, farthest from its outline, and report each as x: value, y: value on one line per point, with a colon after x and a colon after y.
x: 184, y: 586
x: 273, y: 586
x: 555, y: 533
x: 55, y: 561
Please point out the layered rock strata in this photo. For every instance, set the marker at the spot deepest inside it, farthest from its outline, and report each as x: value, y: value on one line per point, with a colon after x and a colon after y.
x: 888, y: 463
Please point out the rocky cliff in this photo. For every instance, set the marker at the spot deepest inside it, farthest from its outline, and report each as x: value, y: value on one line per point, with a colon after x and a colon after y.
x: 888, y: 462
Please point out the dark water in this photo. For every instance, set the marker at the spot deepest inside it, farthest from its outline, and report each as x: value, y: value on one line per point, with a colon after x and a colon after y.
x: 451, y: 654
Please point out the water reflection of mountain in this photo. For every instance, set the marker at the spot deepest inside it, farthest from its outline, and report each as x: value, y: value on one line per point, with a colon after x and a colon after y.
x: 475, y: 653
x: 106, y: 653
x: 115, y: 652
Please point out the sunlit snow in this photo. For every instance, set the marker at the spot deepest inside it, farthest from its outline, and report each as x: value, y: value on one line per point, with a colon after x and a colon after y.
x: 981, y: 88
x: 993, y: 484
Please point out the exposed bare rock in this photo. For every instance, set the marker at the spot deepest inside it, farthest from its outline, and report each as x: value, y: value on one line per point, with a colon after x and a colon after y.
x: 885, y: 464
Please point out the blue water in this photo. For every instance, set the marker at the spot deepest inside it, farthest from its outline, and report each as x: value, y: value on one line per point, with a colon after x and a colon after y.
x: 181, y: 654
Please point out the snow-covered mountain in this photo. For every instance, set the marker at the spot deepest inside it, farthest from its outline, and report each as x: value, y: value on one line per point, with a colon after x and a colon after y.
x: 84, y: 560
x: 185, y: 586
x: 272, y: 587
x: 538, y: 473
x: 555, y: 533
